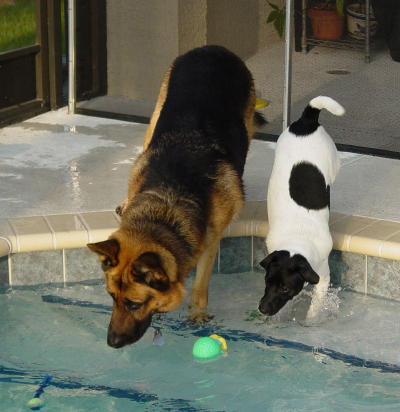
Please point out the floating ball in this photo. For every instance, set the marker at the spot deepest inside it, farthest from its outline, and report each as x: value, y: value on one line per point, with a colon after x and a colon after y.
x: 209, y: 347
x: 35, y: 403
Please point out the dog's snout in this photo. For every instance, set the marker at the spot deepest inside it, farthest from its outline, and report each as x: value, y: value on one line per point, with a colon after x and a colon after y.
x: 116, y: 341
x: 270, y: 307
x: 117, y: 338
x: 263, y: 308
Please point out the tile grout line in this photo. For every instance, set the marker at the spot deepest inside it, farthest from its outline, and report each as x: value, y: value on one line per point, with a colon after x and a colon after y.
x: 53, y: 233
x: 116, y: 217
x: 64, y: 264
x: 252, y: 252
x: 351, y: 235
x: 385, y: 240
x: 85, y: 225
x: 9, y: 265
x: 15, y: 234
x: 9, y: 269
x: 362, y: 228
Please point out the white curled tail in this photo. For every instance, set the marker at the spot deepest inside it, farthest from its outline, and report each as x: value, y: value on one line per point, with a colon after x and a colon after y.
x: 325, y: 102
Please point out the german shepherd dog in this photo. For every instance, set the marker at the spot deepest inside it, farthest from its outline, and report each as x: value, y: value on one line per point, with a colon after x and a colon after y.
x: 184, y: 189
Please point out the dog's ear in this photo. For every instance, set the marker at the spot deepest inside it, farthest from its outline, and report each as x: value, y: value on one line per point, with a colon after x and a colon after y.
x: 305, y: 269
x: 148, y: 269
x: 107, y: 250
x: 273, y: 257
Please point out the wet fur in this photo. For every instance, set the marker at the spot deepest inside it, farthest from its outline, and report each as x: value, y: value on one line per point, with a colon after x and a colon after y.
x: 184, y: 189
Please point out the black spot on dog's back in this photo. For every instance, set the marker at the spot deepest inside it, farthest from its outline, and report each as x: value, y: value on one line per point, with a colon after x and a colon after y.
x: 307, y: 186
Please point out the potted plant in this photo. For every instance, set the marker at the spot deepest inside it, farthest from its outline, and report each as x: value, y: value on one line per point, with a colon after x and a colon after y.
x: 356, y: 20
x: 277, y: 18
x: 326, y: 16
x: 327, y: 19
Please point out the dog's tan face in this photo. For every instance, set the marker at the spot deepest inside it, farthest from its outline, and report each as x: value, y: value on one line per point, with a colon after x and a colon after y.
x: 139, y: 286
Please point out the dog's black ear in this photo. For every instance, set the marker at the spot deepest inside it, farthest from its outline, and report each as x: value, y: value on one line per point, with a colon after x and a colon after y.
x: 148, y: 269
x: 305, y: 269
x: 107, y: 250
x: 273, y: 257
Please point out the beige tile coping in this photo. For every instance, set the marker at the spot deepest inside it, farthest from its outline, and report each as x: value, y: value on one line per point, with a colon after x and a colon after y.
x: 355, y: 234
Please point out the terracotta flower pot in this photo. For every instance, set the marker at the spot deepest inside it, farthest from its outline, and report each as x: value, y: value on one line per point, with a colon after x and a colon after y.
x: 326, y: 23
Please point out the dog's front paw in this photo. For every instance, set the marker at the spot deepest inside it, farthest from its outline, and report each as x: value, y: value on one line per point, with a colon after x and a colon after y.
x: 199, y: 318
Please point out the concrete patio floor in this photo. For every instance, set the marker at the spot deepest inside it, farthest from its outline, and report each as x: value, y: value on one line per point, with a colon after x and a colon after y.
x: 369, y: 92
x: 59, y: 163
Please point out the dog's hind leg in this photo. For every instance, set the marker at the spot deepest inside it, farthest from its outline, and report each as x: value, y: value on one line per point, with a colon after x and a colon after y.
x: 135, y: 183
x: 320, y: 290
x: 157, y: 109
x: 136, y: 179
x: 199, y: 298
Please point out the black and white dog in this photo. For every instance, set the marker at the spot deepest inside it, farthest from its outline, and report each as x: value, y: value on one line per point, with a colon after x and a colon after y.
x: 299, y: 242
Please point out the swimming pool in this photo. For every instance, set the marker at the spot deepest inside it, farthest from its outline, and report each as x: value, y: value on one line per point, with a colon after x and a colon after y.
x: 278, y: 365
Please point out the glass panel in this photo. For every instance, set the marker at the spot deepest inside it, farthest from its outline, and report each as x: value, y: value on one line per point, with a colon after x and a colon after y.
x: 359, y: 71
x: 17, y: 24
x: 362, y: 75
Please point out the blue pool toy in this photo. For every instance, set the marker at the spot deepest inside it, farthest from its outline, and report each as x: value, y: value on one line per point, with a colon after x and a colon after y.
x: 36, y: 403
x: 209, y: 347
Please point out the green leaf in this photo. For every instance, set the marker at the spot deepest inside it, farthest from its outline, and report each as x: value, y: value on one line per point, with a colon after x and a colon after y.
x: 277, y: 16
x: 272, y: 16
x: 279, y: 26
x: 339, y: 7
x: 274, y: 6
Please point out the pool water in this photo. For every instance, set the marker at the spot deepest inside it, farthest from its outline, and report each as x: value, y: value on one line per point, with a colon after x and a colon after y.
x: 61, y: 331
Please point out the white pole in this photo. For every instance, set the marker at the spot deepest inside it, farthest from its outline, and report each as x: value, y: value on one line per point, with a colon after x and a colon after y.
x: 288, y: 65
x: 71, y: 57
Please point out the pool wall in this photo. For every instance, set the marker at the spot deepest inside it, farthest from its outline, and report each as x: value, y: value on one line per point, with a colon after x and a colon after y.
x: 51, y: 249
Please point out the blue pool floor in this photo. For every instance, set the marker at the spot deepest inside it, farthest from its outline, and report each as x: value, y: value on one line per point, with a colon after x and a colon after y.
x: 347, y: 362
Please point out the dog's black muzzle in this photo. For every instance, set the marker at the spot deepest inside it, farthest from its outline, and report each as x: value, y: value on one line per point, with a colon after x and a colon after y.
x: 271, y: 308
x: 118, y: 340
